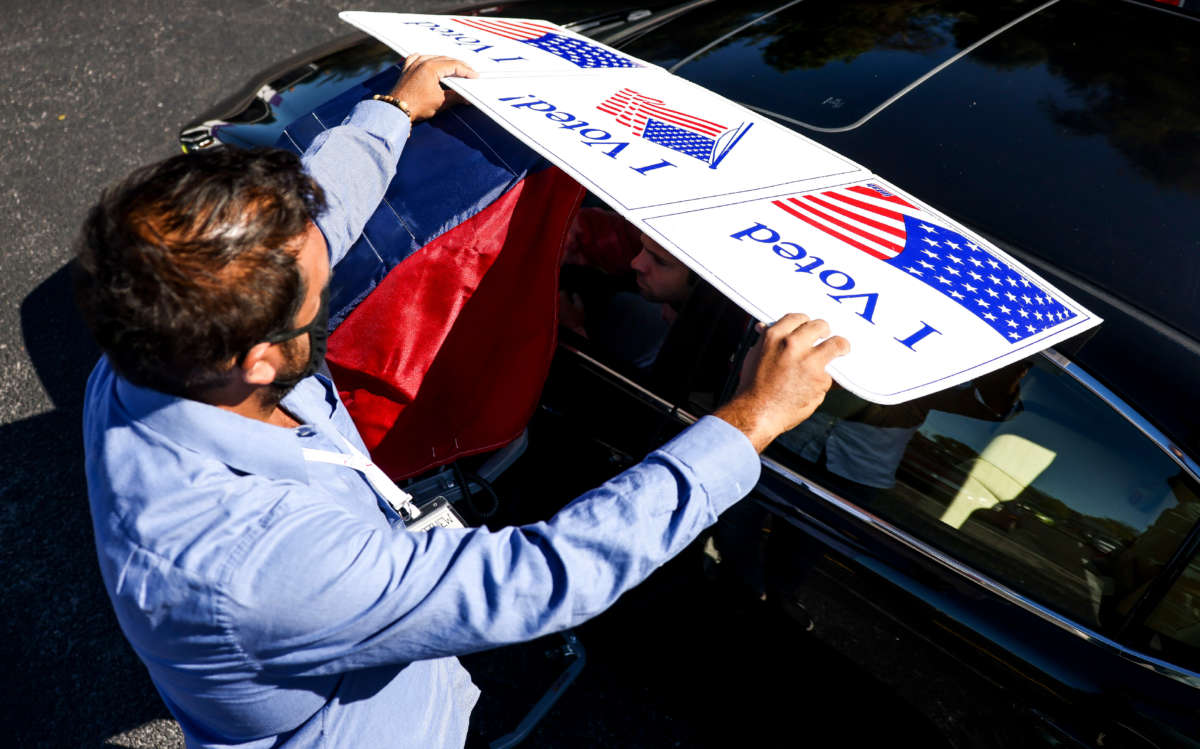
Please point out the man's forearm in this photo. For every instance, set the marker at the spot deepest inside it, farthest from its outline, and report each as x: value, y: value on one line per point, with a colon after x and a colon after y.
x: 354, y: 163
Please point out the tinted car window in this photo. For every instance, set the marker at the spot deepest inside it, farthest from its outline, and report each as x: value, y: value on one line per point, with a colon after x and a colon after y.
x: 1174, y: 625
x: 630, y: 303
x: 1023, y: 474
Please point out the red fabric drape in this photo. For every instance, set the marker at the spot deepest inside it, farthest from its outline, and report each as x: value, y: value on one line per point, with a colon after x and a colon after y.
x: 447, y: 356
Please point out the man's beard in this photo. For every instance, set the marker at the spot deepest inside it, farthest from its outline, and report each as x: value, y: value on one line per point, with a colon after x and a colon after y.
x: 645, y: 292
x: 293, y: 366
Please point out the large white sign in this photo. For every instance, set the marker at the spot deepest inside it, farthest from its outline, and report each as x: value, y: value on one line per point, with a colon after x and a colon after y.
x: 493, y: 46
x: 777, y: 222
x: 642, y: 141
x: 924, y: 302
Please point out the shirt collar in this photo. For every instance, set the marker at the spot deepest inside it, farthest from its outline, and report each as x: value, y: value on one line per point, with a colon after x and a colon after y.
x: 313, y: 399
x: 244, y: 444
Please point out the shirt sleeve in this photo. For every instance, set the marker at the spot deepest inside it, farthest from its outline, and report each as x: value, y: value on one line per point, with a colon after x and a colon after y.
x: 354, y: 163
x: 323, y: 592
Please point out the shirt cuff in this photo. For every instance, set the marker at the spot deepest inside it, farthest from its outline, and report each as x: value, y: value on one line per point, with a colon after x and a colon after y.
x: 382, y: 120
x: 722, y: 458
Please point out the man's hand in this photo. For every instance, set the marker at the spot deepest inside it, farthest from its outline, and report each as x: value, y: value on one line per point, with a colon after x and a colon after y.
x: 420, y: 84
x: 783, y: 378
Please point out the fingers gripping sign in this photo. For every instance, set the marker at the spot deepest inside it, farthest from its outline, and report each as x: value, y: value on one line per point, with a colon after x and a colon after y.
x: 783, y: 378
x: 420, y: 84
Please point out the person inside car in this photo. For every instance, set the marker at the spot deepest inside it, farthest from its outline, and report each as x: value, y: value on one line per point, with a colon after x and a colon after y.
x: 620, y: 289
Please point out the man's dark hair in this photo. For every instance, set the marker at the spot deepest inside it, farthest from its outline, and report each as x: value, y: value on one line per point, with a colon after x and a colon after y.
x: 188, y: 263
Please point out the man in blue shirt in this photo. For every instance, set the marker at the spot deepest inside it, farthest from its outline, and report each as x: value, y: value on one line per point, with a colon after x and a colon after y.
x: 273, y: 593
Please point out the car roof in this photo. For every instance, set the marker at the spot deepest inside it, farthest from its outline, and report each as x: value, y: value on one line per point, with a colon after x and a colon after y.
x: 1068, y: 132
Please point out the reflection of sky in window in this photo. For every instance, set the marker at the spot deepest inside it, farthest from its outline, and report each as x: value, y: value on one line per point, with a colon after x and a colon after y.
x: 1104, y: 467
x: 837, y: 93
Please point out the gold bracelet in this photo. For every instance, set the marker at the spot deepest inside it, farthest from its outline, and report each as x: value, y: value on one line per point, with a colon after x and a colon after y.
x: 397, y: 103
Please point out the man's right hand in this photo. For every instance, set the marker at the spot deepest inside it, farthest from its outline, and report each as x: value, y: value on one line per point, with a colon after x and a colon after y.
x: 420, y: 84
x: 783, y: 378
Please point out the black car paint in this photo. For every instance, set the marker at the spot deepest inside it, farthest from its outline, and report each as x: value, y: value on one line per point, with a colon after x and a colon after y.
x: 1035, y: 138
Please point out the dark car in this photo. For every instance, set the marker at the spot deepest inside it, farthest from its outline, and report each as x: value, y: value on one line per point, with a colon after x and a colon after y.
x: 1022, y: 548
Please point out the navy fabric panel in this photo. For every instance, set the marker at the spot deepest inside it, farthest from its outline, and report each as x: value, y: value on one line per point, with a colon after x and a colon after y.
x: 453, y: 166
x: 302, y: 132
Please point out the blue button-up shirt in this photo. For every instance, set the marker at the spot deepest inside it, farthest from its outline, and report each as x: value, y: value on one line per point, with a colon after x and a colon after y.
x: 278, y: 602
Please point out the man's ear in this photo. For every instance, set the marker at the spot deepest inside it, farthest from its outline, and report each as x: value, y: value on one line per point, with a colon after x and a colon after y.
x: 260, y: 365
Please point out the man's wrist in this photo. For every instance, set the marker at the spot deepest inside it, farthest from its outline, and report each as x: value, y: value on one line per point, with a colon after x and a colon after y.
x: 383, y: 121
x: 747, y: 418
x: 400, y: 104
x: 723, y: 460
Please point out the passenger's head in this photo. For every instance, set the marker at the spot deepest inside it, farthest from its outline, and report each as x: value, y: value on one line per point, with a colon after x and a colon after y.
x: 187, y: 264
x: 660, y: 277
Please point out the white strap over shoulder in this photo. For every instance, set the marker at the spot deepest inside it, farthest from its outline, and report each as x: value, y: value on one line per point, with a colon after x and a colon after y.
x: 400, y: 500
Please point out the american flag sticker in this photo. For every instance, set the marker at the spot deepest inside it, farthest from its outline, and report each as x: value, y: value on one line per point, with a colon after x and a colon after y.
x: 875, y: 221
x: 689, y: 134
x: 579, y: 52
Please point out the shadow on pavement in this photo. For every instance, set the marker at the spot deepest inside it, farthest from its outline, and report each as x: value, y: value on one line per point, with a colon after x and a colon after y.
x: 74, y: 681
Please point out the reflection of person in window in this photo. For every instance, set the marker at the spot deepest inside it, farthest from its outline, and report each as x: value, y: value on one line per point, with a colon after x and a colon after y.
x: 864, y: 442
x: 621, y: 289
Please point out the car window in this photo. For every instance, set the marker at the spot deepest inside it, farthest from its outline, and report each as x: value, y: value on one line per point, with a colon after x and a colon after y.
x: 1023, y: 474
x: 628, y: 302
x: 1173, y: 627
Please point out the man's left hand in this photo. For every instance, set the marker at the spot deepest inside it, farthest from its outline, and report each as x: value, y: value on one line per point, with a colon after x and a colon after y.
x: 420, y: 84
